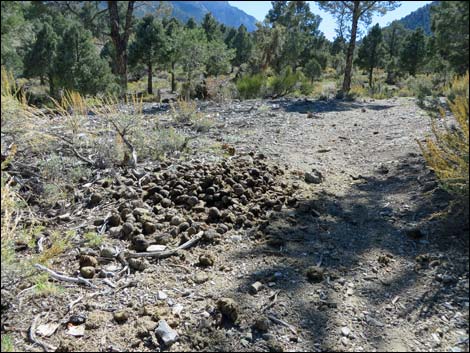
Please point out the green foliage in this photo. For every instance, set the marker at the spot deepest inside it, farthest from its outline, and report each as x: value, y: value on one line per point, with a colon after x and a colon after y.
x: 312, y: 69
x: 40, y: 60
x: 7, y: 343
x: 211, y: 28
x: 370, y: 52
x: 283, y: 83
x: 450, y: 24
x: 250, y: 86
x: 446, y: 152
x: 93, y: 239
x: 218, y: 58
x: 149, y: 46
x: 243, y: 45
x: 413, y: 52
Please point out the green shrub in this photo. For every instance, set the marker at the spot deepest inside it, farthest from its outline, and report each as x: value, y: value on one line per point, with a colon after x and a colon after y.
x: 284, y: 83
x: 446, y: 152
x: 250, y: 86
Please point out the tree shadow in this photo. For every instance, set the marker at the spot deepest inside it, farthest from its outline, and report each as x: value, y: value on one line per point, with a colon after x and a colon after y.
x: 362, y: 240
x: 304, y: 106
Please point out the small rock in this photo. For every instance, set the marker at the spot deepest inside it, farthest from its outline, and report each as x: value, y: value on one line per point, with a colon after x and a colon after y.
x: 315, y: 274
x: 206, y: 260
x: 161, y: 295
x: 345, y: 331
x: 114, y: 220
x: 87, y: 261
x: 166, y: 203
x: 262, y: 324
x: 140, y: 243
x: 153, y: 248
x: 200, y: 277
x: 166, y: 333
x: 175, y: 220
x: 121, y: 316
x: 87, y: 272
x: 213, y: 214
x: 314, y: 177
x: 344, y: 341
x: 414, y: 233
x: 108, y: 252
x: 229, y: 308
x: 95, y: 199
x: 127, y: 228
x: 148, y: 228
x: 138, y: 264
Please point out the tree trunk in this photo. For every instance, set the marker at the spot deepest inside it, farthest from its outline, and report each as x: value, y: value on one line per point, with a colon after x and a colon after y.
x: 352, y: 45
x: 149, y: 79
x: 52, y: 92
x: 371, y: 70
x: 119, y: 39
x: 42, y: 82
x: 173, y: 82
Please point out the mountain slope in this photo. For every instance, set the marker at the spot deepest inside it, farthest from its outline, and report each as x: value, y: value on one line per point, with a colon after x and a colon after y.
x: 221, y: 10
x: 419, y: 18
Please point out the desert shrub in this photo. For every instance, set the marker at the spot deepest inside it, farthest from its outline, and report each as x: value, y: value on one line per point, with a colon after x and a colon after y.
x: 283, y: 83
x: 184, y: 111
x: 446, y: 152
x: 357, y: 91
x: 250, y: 86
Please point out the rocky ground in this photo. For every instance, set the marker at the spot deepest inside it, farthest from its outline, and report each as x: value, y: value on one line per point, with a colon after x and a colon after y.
x: 301, y: 226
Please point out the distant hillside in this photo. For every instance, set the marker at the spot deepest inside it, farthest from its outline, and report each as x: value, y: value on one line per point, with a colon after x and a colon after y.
x: 221, y: 10
x: 419, y: 18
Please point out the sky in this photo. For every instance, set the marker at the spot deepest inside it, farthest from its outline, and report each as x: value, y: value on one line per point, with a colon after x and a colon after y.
x: 259, y: 9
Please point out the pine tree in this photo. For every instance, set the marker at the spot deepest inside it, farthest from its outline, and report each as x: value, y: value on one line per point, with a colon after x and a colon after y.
x: 243, y: 45
x: 370, y: 52
x: 78, y: 64
x: 211, y: 27
x: 40, y: 60
x: 191, y: 24
x: 450, y: 25
x: 356, y: 12
x: 312, y: 69
x: 413, y: 52
x: 149, y: 46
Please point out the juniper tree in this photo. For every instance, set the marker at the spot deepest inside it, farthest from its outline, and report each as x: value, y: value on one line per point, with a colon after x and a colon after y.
x: 370, y: 52
x: 413, y: 52
x: 149, y: 46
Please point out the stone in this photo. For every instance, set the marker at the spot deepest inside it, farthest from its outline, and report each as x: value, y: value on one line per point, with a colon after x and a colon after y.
x: 213, y: 214
x: 166, y: 203
x: 127, y: 229
x: 314, y: 177
x: 165, y: 333
x: 138, y: 264
x: 161, y: 295
x: 148, y: 228
x: 95, y: 199
x: 345, y: 331
x: 115, y: 232
x: 175, y: 220
x: 87, y: 261
x: 114, y: 220
x: 87, y: 272
x: 108, y: 252
x: 121, y: 316
x: 262, y: 324
x: 206, y: 260
x: 238, y: 189
x: 414, y: 233
x: 200, y: 277
x: 192, y: 201
x: 315, y: 274
x: 229, y: 308
x: 153, y: 248
x: 140, y: 243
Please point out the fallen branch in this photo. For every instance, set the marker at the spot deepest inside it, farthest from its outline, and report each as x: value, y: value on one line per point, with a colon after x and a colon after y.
x: 165, y: 254
x: 283, y: 323
x: 64, y: 278
x: 274, y: 300
x: 32, y: 336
